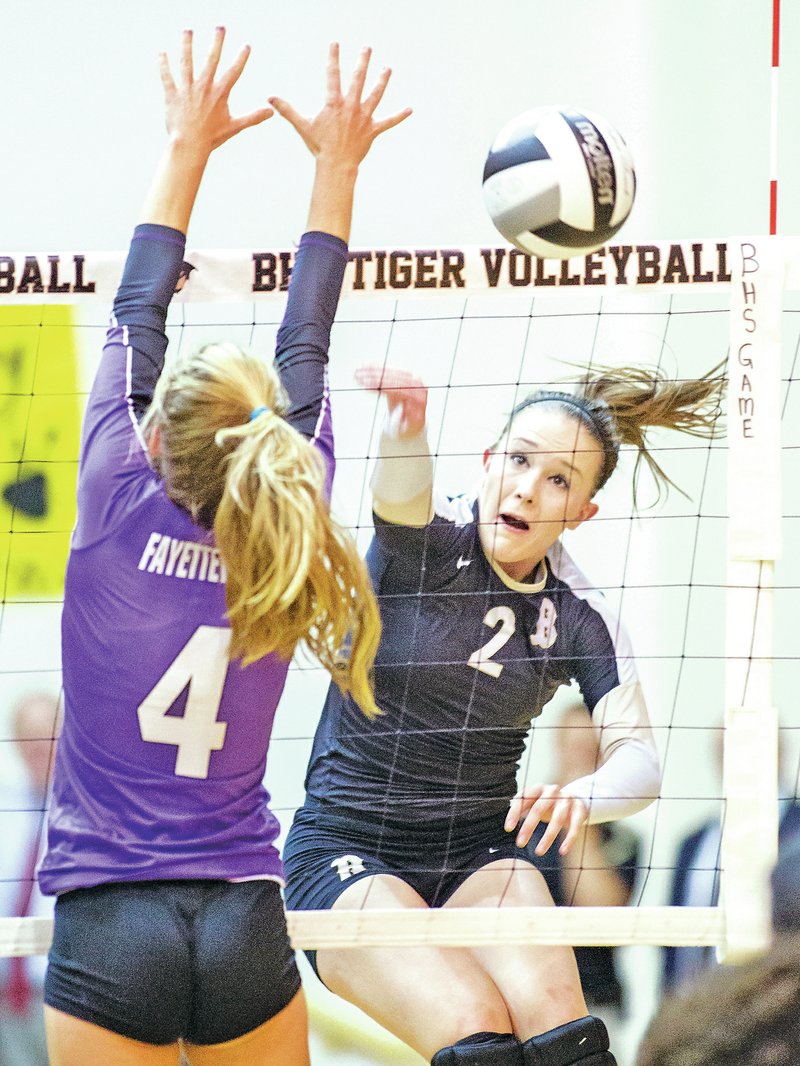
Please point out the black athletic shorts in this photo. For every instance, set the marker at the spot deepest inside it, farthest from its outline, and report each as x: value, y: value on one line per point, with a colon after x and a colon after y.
x: 206, y: 961
x: 324, y: 854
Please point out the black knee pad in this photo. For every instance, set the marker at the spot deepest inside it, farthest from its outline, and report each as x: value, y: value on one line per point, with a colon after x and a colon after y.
x: 481, y: 1049
x: 584, y: 1041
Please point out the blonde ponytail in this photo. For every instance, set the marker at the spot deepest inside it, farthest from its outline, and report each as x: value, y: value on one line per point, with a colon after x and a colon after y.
x: 640, y: 397
x: 293, y: 575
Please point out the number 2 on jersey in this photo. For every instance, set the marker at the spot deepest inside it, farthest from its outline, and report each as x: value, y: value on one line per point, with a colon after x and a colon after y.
x: 202, y: 664
x: 543, y: 636
x: 480, y: 659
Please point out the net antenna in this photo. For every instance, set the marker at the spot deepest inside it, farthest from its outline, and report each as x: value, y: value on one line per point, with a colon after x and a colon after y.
x: 754, y: 274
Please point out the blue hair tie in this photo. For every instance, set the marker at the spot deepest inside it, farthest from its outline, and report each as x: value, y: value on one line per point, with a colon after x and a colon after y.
x: 258, y: 411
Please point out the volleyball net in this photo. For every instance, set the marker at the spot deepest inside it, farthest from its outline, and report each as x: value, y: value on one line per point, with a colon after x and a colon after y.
x: 700, y: 579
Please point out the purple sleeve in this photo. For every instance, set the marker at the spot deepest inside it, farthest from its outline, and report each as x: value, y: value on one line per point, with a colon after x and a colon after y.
x: 113, y: 457
x: 301, y: 354
x: 143, y: 298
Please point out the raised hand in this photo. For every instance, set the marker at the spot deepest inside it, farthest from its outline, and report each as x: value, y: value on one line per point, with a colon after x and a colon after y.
x: 197, y: 107
x: 345, y: 127
x: 546, y: 803
x: 198, y: 121
x: 339, y: 137
x: 406, y: 397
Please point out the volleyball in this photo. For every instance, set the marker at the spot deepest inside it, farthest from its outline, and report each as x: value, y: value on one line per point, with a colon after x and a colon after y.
x: 559, y: 182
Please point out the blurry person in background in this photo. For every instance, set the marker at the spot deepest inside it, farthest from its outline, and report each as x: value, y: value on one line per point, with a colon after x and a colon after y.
x: 696, y: 872
x: 34, y: 726
x: 737, y: 1016
x: 786, y: 889
x: 600, y: 870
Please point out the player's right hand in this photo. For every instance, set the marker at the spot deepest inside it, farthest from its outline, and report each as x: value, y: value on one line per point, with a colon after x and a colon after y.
x: 406, y: 397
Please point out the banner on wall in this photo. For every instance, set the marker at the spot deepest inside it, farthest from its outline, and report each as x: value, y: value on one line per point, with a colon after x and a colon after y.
x: 40, y: 416
x: 256, y: 275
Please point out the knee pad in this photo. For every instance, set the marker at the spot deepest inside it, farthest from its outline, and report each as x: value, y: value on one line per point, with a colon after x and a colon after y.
x: 584, y: 1041
x: 481, y: 1049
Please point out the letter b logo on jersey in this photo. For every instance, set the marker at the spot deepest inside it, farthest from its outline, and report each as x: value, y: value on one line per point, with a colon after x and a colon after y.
x: 348, y: 865
x: 544, y: 636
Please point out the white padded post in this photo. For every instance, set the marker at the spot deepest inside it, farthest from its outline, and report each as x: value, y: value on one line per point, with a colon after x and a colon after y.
x: 750, y: 829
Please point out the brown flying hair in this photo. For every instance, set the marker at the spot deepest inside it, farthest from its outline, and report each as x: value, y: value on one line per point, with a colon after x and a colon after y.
x: 617, y: 405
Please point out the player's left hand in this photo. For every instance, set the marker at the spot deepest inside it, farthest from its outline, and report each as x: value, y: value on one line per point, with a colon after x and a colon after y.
x: 343, y: 131
x: 546, y: 803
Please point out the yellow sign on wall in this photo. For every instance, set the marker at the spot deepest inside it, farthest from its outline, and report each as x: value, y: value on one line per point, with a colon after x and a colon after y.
x: 40, y: 413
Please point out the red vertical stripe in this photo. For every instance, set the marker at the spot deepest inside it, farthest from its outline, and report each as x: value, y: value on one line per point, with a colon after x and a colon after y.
x: 776, y: 31
x: 776, y: 51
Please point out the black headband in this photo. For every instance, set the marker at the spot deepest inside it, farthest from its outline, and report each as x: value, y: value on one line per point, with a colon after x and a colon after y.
x: 610, y: 446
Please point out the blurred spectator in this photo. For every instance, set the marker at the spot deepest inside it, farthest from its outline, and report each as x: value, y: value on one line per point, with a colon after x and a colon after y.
x: 34, y: 721
x: 695, y: 883
x: 740, y: 1016
x: 786, y: 889
x: 599, y: 871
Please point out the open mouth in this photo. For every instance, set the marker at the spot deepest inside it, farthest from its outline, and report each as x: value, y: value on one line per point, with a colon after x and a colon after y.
x: 513, y: 522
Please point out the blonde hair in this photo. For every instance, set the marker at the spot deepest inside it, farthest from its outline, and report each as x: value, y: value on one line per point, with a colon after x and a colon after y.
x: 618, y: 404
x: 294, y: 574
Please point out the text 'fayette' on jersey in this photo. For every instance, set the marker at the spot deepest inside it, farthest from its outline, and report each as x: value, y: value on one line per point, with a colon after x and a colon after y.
x: 182, y: 558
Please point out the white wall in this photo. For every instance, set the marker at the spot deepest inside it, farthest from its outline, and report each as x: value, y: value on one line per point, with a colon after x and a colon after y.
x: 687, y: 82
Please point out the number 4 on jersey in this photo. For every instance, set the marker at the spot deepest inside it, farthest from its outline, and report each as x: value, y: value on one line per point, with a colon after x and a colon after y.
x: 202, y: 664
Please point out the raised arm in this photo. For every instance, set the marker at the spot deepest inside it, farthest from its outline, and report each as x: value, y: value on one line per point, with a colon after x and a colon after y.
x: 338, y: 137
x: 198, y: 121
x: 402, y: 481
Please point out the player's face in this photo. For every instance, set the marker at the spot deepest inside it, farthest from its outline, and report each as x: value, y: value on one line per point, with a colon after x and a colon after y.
x: 538, y: 481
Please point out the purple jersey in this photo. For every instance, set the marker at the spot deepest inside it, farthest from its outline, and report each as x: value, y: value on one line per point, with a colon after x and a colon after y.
x: 160, y: 764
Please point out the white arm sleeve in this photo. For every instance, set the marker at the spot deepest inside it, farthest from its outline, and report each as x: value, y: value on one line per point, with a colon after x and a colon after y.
x: 402, y: 480
x: 628, y: 778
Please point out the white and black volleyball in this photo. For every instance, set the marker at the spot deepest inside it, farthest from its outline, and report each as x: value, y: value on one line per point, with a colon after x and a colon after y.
x: 559, y: 182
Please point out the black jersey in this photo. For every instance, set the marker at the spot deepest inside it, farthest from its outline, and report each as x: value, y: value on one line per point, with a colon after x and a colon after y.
x: 467, y: 659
